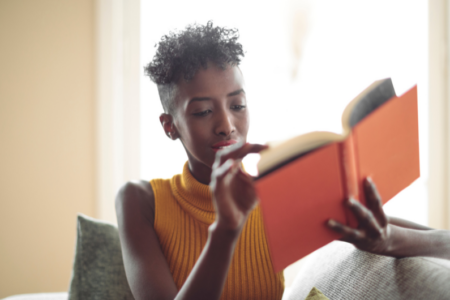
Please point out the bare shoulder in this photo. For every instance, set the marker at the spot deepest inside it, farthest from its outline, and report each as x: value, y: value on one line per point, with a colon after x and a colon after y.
x: 145, y: 265
x: 137, y: 196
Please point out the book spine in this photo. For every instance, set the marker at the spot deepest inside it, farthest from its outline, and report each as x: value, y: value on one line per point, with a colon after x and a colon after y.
x: 350, y: 176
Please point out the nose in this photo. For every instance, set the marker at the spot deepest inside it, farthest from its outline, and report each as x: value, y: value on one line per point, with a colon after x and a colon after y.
x: 224, y: 124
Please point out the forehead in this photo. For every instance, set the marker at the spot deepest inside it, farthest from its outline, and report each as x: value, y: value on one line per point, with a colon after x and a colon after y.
x: 212, y: 82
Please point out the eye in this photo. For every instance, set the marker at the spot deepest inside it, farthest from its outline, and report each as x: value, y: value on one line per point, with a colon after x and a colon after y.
x: 203, y: 113
x: 238, y: 107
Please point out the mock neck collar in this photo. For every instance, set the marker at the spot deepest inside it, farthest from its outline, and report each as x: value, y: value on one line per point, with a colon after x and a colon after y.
x: 193, y: 196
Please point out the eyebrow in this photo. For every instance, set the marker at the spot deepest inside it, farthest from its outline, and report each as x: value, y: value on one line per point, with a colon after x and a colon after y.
x: 209, y: 98
x: 236, y: 93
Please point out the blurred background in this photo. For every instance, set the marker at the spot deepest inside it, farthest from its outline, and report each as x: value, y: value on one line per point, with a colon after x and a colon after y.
x: 78, y: 118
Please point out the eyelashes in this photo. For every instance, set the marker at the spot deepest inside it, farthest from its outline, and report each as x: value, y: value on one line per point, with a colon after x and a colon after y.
x: 203, y: 113
x: 208, y: 111
x: 238, y: 107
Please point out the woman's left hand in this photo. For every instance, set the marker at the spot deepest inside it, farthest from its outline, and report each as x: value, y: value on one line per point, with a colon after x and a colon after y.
x: 374, y: 231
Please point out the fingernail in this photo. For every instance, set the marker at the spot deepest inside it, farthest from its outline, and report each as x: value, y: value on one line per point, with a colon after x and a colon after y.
x: 229, y: 163
x: 352, y: 201
x: 332, y: 222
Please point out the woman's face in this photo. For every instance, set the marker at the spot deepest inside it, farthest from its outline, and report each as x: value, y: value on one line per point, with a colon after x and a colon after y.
x: 210, y: 114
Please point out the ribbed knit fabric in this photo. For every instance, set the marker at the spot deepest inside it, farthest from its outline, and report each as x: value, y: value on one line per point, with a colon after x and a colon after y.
x: 183, y: 213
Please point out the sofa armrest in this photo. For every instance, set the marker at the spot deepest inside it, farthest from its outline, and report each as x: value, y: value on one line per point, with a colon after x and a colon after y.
x: 40, y: 296
x: 341, y: 271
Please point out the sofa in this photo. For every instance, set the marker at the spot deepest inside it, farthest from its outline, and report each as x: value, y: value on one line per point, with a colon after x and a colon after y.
x: 338, y: 270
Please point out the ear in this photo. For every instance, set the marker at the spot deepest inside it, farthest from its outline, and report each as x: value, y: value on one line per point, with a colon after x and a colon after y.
x: 168, y: 126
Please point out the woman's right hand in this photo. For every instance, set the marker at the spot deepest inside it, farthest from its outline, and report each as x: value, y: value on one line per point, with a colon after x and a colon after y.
x: 234, y: 194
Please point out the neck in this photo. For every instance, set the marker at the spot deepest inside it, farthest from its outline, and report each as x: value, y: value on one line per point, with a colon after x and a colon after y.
x: 199, y: 171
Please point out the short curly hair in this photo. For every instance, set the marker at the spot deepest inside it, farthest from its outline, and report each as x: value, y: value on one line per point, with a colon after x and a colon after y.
x: 181, y: 54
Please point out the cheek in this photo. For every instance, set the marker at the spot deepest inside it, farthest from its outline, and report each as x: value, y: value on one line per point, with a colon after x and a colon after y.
x: 192, y: 134
x: 244, y: 124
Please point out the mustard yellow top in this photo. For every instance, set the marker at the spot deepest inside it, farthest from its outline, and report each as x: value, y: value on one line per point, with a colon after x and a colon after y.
x: 183, y: 213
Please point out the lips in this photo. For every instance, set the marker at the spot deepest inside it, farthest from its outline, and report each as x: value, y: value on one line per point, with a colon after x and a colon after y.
x: 222, y: 145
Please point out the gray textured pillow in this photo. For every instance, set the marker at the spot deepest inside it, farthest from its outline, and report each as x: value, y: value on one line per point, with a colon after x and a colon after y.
x: 341, y: 271
x: 98, y: 271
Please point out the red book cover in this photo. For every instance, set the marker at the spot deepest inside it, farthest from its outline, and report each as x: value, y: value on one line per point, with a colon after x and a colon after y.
x: 299, y: 197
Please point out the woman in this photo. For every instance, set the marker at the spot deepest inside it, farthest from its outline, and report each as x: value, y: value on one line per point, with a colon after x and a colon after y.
x: 199, y: 235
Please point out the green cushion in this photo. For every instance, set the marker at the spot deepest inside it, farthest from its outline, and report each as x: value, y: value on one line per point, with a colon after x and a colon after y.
x: 98, y: 271
x: 315, y: 294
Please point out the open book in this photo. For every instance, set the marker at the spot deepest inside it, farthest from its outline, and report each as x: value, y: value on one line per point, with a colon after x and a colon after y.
x: 305, y: 180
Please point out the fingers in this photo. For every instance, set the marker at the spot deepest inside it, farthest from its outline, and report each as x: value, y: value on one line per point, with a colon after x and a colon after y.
x: 365, y: 218
x: 231, y: 186
x: 223, y: 172
x: 227, y: 171
x: 237, y: 152
x: 349, y: 234
x: 374, y: 203
x: 373, y: 233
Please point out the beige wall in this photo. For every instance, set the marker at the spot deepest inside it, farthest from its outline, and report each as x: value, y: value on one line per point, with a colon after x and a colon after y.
x: 46, y: 139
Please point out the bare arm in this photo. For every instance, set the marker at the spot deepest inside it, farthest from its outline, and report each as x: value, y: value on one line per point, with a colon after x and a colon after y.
x: 407, y: 224
x: 234, y: 197
x: 146, y: 267
x: 407, y: 242
x: 392, y: 237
